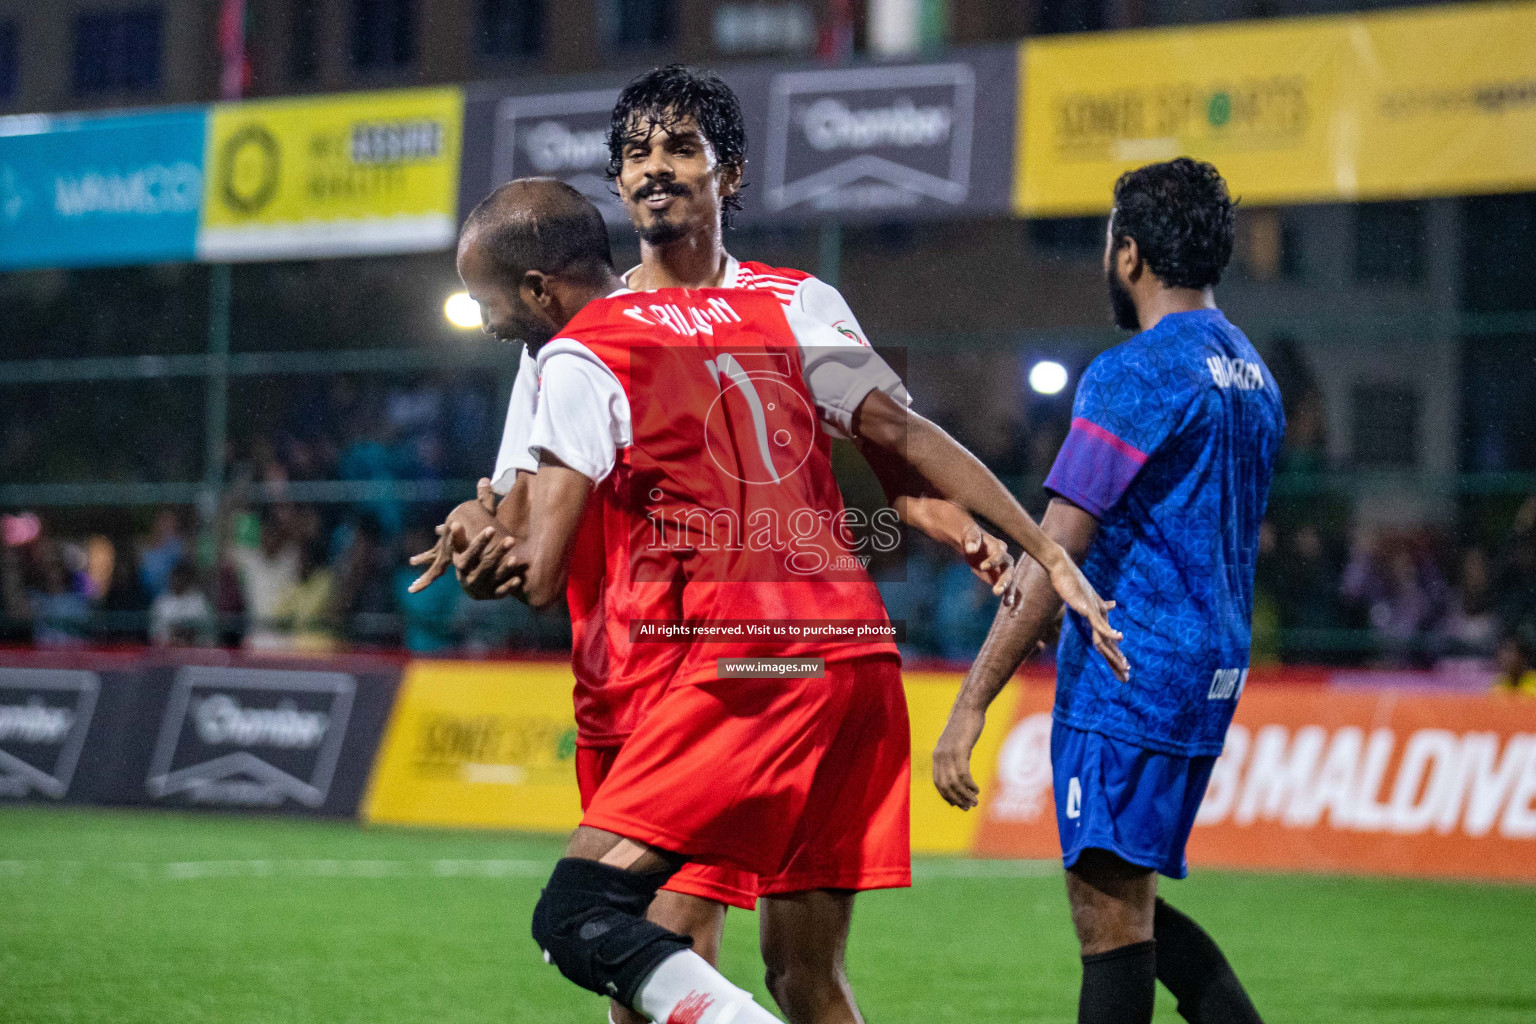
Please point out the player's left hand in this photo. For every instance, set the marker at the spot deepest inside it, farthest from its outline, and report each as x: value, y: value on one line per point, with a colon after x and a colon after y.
x: 988, y: 558
x: 952, y: 758
x: 440, y: 557
x: 1074, y: 588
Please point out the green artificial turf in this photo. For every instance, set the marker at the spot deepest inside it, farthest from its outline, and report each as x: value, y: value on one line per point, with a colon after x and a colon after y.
x: 120, y: 917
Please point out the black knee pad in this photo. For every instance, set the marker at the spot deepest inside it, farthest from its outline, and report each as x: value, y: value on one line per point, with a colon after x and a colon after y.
x: 590, y: 923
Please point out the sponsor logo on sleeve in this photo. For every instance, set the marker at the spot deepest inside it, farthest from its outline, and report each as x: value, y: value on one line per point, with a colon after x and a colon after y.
x: 870, y: 138
x: 251, y: 737
x: 44, y: 717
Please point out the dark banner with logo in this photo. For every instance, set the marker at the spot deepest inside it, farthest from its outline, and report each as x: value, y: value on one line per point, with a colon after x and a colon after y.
x: 876, y: 142
x: 298, y: 738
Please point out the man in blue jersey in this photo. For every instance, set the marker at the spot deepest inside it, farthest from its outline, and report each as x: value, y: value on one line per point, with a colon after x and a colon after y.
x: 1159, y: 488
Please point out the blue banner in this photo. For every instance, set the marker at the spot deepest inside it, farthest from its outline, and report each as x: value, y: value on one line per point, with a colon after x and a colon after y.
x: 90, y: 191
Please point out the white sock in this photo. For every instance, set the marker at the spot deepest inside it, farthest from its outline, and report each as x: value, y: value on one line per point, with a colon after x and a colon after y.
x: 686, y: 990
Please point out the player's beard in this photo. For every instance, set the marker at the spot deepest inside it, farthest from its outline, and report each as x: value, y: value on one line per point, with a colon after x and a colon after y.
x: 1121, y: 305
x: 664, y: 227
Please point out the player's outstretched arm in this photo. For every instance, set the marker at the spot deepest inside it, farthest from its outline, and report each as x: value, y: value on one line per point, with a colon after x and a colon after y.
x: 1020, y: 624
x: 941, y: 519
x: 537, y: 564
x: 953, y: 472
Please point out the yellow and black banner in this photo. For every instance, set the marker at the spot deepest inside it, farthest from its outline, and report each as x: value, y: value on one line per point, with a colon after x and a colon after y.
x: 332, y: 176
x: 1436, y: 101
x: 479, y: 744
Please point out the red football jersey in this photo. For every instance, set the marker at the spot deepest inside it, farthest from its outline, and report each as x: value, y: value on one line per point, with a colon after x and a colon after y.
x: 727, y: 483
x: 618, y: 682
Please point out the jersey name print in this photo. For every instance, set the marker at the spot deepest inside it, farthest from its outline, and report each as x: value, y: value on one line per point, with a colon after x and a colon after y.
x: 704, y: 426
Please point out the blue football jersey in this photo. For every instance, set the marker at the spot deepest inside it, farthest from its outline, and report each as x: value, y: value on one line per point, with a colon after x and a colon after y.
x: 1173, y: 443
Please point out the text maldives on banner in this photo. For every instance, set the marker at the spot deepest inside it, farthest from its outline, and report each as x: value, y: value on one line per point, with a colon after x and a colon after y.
x: 90, y: 191
x: 1258, y: 101
x: 1319, y: 780
x: 359, y: 174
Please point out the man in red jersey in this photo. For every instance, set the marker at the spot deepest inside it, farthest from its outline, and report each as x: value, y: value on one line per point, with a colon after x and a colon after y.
x: 756, y: 774
x: 677, y: 155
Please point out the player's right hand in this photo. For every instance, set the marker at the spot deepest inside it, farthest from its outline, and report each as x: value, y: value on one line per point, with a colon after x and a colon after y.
x: 952, y: 758
x: 478, y: 562
x: 1074, y: 588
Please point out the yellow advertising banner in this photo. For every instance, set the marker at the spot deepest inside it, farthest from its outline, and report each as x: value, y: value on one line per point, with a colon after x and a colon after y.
x: 492, y: 745
x: 936, y: 826
x: 332, y: 176
x: 480, y: 745
x: 1448, y: 101
x: 1431, y: 101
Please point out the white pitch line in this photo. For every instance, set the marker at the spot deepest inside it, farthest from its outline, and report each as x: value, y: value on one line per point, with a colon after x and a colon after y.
x: 193, y: 870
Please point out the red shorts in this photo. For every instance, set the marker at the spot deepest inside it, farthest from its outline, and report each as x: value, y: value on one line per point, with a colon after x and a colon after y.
x: 806, y: 782
x: 723, y: 885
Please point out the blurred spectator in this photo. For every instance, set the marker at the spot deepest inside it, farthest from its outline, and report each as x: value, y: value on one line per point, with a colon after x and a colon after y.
x: 160, y: 552
x: 1471, y: 627
x: 1517, y: 657
x: 428, y: 614
x: 305, y: 611
x: 1392, y: 577
x: 267, y: 573
x: 964, y: 607
x: 55, y: 602
x: 1308, y: 585
x: 181, y: 616
x: 364, y: 602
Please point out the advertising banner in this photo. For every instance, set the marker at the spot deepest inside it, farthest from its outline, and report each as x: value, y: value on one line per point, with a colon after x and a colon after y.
x: 919, y: 139
x: 79, y: 190
x: 888, y: 142
x: 332, y: 176
x: 299, y: 738
x: 45, y: 716
x: 1425, y: 102
x: 493, y: 746
x: 559, y: 135
x: 479, y: 744
x: 1322, y: 780
x: 1448, y: 100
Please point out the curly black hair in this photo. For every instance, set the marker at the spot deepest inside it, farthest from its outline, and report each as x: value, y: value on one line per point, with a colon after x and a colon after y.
x: 662, y: 97
x: 1181, y: 216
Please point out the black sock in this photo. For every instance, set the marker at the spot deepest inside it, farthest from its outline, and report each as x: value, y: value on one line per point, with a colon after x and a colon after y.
x: 1118, y: 986
x: 1193, y: 968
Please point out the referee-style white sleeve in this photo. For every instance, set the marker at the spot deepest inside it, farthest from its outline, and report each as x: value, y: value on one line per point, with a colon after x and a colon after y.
x: 583, y: 414
x: 840, y: 372
x: 513, y: 454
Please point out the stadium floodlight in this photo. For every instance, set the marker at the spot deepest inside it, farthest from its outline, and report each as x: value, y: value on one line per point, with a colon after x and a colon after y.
x: 462, y: 311
x: 1047, y: 377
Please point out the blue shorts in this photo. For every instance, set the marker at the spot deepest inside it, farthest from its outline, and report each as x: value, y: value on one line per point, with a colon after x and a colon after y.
x: 1113, y: 795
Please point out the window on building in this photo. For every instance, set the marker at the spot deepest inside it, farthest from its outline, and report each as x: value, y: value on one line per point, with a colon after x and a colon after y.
x: 10, y: 71
x: 304, y: 41
x: 1390, y: 243
x: 1054, y: 16
x: 383, y: 33
x: 511, y: 28
x: 117, y: 51
x: 638, y: 23
x: 758, y: 27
